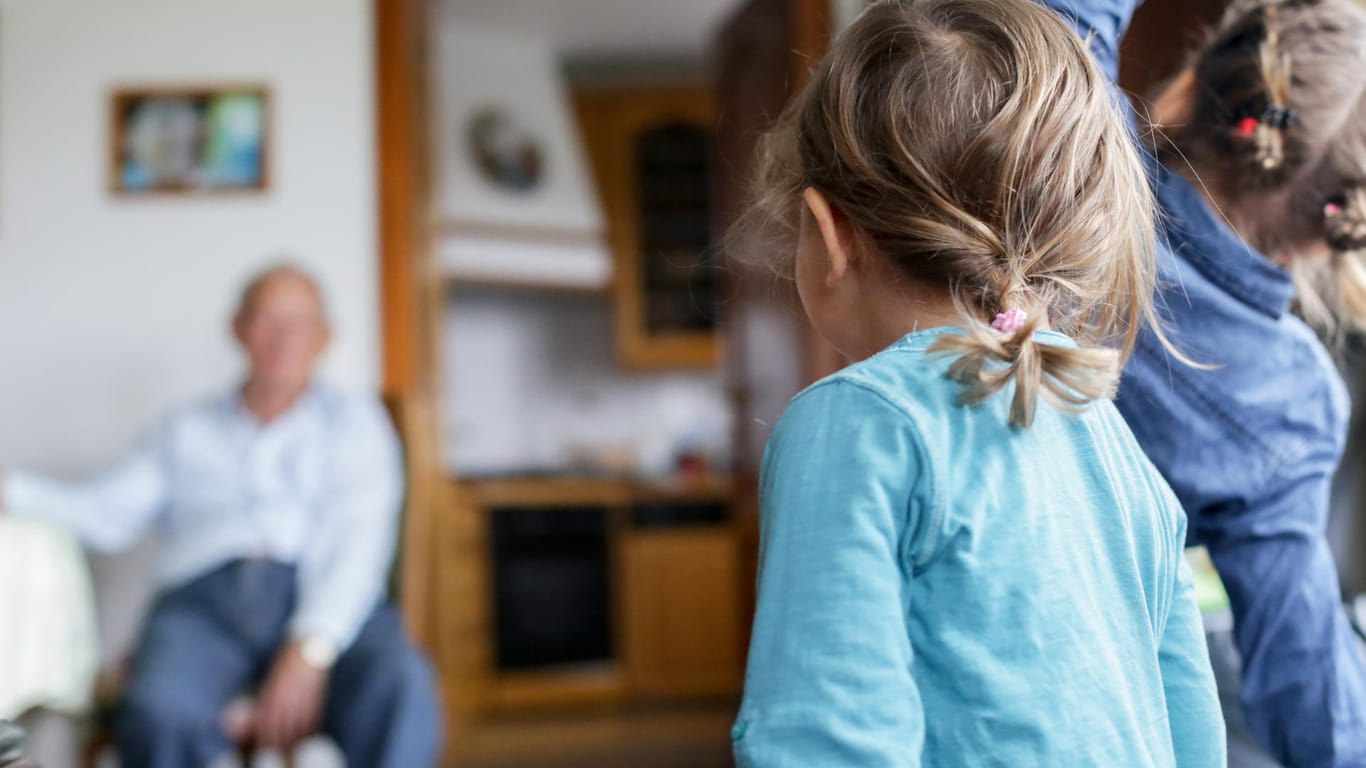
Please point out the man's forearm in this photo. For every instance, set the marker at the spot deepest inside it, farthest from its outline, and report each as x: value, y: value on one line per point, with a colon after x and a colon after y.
x: 106, y: 514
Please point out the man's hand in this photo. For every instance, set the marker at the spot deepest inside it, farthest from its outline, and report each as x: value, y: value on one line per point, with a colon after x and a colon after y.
x: 290, y: 705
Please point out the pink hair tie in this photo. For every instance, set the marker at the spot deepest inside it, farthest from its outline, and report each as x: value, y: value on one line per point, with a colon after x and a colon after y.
x: 1009, y: 321
x: 1332, y: 209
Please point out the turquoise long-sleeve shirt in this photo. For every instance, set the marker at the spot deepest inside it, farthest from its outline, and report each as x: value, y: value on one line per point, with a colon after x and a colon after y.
x: 938, y: 588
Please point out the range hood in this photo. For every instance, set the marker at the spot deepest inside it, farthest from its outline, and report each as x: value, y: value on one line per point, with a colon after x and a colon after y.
x: 515, y: 199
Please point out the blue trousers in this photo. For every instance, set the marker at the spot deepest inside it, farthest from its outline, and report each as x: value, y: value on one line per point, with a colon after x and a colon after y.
x: 216, y: 637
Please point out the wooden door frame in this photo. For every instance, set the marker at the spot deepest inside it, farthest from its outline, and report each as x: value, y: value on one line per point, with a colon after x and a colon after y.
x: 409, y: 297
x: 402, y: 139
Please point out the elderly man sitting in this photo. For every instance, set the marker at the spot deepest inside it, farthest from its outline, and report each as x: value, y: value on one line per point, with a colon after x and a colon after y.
x: 277, y: 507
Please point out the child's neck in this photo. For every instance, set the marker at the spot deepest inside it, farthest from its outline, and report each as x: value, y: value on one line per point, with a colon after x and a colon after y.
x: 895, y: 309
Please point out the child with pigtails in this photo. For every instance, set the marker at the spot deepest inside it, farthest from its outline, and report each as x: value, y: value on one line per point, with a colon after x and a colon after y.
x: 966, y: 559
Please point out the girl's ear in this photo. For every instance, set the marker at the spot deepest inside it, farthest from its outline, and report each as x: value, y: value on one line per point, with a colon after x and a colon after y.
x: 836, y: 232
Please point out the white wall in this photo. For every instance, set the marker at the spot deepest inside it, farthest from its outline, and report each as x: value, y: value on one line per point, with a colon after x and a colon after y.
x: 113, y: 310
x: 530, y: 378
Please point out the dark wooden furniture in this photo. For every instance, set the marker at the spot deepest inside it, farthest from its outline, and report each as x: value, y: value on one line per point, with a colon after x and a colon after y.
x: 766, y: 51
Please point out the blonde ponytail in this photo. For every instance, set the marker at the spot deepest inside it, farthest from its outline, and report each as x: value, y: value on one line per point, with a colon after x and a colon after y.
x: 990, y: 357
x: 1067, y: 377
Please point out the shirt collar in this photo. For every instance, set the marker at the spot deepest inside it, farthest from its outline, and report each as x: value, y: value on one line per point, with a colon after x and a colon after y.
x: 923, y: 338
x: 236, y: 407
x: 1208, y: 244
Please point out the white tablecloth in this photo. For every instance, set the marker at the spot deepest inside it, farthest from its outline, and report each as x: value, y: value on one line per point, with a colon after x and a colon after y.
x: 49, y: 646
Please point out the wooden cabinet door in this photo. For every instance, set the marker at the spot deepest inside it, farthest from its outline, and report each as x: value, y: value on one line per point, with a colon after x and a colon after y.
x: 681, y: 611
x: 652, y: 152
x: 460, y: 641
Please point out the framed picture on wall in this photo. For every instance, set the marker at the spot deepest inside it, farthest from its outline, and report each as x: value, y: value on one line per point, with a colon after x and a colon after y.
x: 189, y: 140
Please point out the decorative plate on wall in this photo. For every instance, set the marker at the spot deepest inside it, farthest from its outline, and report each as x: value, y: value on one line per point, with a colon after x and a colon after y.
x: 508, y: 154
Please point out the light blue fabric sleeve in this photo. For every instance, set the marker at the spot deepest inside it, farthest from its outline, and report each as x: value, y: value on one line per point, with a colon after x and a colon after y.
x: 829, y: 676
x: 344, y: 570
x: 106, y: 514
x: 1197, y: 723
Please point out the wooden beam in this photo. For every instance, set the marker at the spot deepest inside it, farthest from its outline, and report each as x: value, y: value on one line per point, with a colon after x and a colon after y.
x: 404, y: 232
x: 409, y: 296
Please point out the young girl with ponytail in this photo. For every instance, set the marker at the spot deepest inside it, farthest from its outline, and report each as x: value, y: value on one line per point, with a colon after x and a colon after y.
x: 1260, y: 174
x: 966, y: 559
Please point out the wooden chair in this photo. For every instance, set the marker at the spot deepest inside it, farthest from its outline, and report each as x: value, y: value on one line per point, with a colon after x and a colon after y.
x: 414, y: 421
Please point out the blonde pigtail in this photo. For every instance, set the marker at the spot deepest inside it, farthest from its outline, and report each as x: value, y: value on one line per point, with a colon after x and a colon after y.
x: 1268, y: 135
x: 1344, y: 223
x: 1067, y: 377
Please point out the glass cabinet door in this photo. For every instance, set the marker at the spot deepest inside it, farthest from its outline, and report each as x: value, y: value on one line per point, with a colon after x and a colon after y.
x: 652, y: 152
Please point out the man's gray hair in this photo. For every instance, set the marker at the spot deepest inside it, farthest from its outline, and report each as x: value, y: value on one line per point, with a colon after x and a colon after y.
x: 246, y: 302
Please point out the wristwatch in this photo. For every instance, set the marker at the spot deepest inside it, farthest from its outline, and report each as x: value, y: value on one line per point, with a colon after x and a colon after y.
x: 318, y: 652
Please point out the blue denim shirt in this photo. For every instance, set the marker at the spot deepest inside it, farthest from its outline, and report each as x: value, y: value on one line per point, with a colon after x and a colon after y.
x: 1250, y: 447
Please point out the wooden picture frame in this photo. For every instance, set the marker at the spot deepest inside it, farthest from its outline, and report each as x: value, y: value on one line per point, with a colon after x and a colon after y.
x: 192, y: 140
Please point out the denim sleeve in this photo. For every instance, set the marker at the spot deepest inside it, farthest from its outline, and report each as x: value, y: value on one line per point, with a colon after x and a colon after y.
x: 1304, y: 681
x: 1197, y: 724
x: 1256, y: 485
x: 829, y: 675
x: 1102, y: 23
